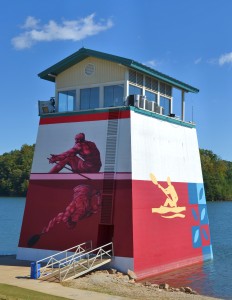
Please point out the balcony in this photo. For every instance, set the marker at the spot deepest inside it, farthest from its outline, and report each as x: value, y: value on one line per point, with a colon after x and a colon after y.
x: 46, y: 107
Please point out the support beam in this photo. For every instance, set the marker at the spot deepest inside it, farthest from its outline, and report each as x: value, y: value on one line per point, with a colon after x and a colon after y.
x: 183, y: 105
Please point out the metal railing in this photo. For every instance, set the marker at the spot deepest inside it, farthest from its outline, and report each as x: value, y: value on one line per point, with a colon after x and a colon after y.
x: 85, y: 262
x: 53, y: 262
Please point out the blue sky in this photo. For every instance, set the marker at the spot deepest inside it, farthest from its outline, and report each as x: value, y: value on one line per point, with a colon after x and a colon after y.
x: 188, y: 40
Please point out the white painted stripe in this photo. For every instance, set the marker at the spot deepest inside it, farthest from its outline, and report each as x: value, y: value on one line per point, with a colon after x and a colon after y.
x: 123, y: 264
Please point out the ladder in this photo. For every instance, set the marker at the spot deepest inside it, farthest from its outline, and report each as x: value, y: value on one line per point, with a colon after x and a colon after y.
x: 73, y: 262
x: 109, y: 170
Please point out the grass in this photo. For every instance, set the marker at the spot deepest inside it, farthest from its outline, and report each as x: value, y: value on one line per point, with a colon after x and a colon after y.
x: 9, y: 292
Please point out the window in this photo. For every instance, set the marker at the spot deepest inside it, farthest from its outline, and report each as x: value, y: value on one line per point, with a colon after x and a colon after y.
x: 113, y: 95
x: 66, y: 100
x: 151, y: 83
x: 151, y: 96
x: 165, y: 89
x: 134, y: 90
x: 89, y: 98
x: 165, y: 103
x: 132, y: 76
x: 136, y: 77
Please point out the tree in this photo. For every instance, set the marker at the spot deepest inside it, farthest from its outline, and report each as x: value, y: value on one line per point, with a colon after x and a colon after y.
x: 217, y: 174
x: 15, y: 169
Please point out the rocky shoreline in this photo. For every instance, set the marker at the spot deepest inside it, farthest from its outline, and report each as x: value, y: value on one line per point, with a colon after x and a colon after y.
x: 115, y: 283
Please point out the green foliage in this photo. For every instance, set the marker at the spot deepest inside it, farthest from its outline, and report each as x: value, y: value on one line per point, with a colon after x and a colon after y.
x: 217, y: 174
x: 15, y: 168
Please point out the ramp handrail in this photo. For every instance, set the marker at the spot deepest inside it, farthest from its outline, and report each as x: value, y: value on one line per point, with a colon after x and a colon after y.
x: 86, y: 261
x: 53, y: 261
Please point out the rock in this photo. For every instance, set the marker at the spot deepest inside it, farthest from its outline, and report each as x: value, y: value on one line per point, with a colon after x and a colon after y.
x: 112, y: 271
x: 164, y: 286
x: 147, y: 283
x: 132, y: 281
x: 126, y: 278
x: 188, y: 290
x: 182, y: 289
x: 131, y: 274
x: 155, y: 285
x: 104, y: 271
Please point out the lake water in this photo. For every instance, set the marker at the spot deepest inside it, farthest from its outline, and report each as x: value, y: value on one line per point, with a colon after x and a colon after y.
x: 11, y: 215
x: 211, y: 278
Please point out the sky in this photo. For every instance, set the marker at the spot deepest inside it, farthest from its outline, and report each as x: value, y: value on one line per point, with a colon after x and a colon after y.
x: 189, y: 40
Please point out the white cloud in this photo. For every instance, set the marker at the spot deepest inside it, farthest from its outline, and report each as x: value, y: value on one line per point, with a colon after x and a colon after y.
x: 151, y: 63
x: 225, y: 59
x: 74, y: 30
x: 31, y: 22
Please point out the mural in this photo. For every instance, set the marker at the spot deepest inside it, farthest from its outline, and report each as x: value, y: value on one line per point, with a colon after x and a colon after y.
x: 83, y: 157
x: 72, y: 189
x: 170, y: 204
x: 65, y: 200
x: 85, y: 202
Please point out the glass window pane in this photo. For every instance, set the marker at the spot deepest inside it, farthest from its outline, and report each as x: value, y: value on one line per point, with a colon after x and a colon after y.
x: 94, y: 98
x: 134, y: 90
x: 154, y: 84
x: 165, y: 103
x: 151, y: 96
x: 168, y: 90
x: 113, y: 95
x: 162, y: 87
x: 132, y: 76
x: 139, y: 78
x: 89, y: 98
x: 84, y: 99
x: 108, y: 96
x: 66, y: 100
x: 148, y: 82
x: 118, y: 95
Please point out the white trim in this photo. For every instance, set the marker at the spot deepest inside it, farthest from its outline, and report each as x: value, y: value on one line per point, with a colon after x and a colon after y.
x: 33, y: 254
x: 182, y: 105
x: 122, y: 264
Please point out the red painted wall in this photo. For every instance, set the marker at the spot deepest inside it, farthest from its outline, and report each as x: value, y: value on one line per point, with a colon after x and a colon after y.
x: 160, y: 242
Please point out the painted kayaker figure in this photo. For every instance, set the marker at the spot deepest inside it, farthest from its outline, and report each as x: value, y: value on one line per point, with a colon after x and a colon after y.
x: 171, y: 194
x: 83, y: 157
x: 169, y: 209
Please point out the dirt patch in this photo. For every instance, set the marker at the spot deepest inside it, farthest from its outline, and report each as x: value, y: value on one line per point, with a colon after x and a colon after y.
x: 116, y: 283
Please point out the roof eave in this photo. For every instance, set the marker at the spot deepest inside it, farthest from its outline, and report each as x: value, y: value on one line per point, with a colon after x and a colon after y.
x: 172, y: 81
x: 50, y: 73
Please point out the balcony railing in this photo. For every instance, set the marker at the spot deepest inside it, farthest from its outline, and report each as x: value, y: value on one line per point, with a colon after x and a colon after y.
x: 46, y: 107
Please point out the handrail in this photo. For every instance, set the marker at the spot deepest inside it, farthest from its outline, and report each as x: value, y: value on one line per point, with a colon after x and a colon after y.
x: 86, y: 261
x: 54, y: 260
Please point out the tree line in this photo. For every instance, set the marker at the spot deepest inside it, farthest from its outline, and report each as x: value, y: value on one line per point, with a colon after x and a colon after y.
x: 15, y: 169
x: 217, y: 174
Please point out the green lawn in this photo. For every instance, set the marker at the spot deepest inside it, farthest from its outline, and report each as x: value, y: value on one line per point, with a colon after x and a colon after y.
x: 9, y: 292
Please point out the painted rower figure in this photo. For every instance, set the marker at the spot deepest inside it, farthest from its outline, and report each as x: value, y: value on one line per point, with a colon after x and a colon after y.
x: 83, y: 157
x: 170, y: 204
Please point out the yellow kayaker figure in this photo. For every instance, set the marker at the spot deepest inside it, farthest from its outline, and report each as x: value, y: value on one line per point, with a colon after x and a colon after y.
x: 170, y: 204
x: 171, y: 194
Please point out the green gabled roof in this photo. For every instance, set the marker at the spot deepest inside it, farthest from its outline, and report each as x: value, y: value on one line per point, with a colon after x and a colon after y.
x: 83, y: 53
